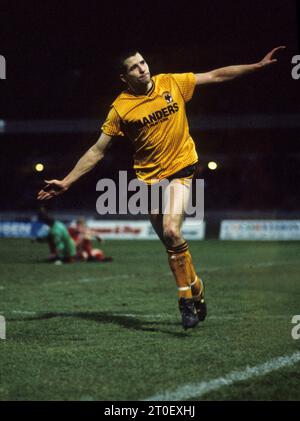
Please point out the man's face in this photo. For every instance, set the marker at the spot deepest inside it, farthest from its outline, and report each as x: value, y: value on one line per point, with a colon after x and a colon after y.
x: 138, y: 73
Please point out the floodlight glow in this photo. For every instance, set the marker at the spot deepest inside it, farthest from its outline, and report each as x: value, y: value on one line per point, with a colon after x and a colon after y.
x: 212, y: 166
x: 39, y: 167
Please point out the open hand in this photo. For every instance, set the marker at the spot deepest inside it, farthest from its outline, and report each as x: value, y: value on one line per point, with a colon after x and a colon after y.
x: 268, y: 59
x: 51, y: 189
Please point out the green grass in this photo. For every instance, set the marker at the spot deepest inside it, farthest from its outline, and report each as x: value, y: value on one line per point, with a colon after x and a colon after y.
x: 112, y: 331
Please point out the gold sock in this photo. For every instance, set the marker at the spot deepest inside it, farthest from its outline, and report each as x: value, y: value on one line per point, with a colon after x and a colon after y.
x: 179, y: 264
x: 197, y: 288
x: 196, y: 282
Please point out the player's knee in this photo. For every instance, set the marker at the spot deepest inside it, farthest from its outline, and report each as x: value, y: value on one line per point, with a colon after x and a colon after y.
x: 172, y: 235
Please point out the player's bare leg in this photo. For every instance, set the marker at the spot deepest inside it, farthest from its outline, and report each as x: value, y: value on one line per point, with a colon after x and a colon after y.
x: 168, y: 228
x: 156, y: 219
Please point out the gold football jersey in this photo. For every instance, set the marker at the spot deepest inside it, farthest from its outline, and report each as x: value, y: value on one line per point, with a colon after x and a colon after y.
x: 157, y: 125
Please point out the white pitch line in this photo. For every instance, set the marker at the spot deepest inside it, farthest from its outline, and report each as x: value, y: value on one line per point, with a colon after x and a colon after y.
x: 208, y: 270
x: 105, y: 278
x: 86, y: 280
x: 21, y: 312
x: 132, y: 275
x: 196, y: 390
x: 250, y: 266
x: 241, y: 266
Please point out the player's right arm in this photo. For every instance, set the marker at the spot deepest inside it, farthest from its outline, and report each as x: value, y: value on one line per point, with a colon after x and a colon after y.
x: 85, y: 164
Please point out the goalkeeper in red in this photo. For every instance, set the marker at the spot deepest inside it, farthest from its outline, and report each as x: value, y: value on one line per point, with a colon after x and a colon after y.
x: 151, y: 112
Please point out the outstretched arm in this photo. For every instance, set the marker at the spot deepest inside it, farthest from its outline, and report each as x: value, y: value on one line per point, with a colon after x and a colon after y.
x: 232, y: 72
x: 85, y: 164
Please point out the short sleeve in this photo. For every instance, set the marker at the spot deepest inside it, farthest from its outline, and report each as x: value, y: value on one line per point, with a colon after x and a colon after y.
x: 112, y: 124
x: 186, y: 83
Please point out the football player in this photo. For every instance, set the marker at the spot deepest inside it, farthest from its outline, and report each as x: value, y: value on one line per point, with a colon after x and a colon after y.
x: 151, y: 112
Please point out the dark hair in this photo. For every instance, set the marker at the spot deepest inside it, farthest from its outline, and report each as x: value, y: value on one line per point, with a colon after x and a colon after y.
x: 120, y: 66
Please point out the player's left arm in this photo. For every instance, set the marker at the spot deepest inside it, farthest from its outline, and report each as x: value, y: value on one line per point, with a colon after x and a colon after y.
x: 225, y: 74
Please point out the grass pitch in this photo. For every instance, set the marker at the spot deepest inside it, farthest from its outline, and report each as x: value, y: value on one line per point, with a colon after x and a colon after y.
x: 112, y: 331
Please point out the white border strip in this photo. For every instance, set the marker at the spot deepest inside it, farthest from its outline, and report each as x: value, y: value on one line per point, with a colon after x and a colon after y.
x: 196, y: 390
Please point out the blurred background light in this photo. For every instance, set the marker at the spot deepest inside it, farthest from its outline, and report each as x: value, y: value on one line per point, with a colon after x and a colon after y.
x: 39, y: 167
x: 212, y: 165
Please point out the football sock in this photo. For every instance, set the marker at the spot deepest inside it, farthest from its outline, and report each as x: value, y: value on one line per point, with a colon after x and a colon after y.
x: 196, y: 282
x: 179, y: 264
x: 197, y: 287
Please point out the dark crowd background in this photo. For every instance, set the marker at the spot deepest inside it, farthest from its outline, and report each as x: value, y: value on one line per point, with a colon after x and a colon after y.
x: 60, y: 66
